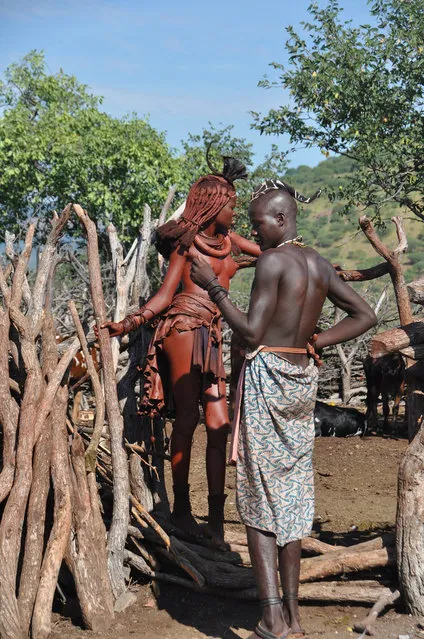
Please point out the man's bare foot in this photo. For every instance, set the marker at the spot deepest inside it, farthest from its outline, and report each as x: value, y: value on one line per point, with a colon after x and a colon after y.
x: 187, y: 524
x: 261, y: 632
x: 293, y: 620
x: 273, y: 624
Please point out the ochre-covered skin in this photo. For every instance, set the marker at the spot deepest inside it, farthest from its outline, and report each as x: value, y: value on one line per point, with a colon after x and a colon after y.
x: 188, y: 336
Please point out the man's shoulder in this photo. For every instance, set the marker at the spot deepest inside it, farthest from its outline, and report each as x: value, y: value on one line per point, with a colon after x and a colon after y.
x: 313, y: 254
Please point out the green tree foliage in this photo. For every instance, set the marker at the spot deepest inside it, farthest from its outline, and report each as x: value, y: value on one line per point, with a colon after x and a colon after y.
x: 358, y: 92
x: 57, y: 146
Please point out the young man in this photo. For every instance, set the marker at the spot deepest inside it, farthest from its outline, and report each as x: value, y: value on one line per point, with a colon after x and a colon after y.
x: 275, y: 494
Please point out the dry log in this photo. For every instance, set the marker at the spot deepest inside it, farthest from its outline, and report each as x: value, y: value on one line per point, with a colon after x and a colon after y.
x: 396, y: 339
x: 329, y: 591
x: 152, y: 523
x: 46, y: 264
x: 212, y: 554
x: 413, y: 352
x: 180, y: 558
x: 216, y: 573
x: 339, y: 563
x: 87, y: 552
x: 119, y: 526
x: 310, y: 544
x: 416, y: 291
x: 385, y: 599
x: 161, y: 220
x: 124, y: 270
x: 59, y: 536
x: 344, y: 591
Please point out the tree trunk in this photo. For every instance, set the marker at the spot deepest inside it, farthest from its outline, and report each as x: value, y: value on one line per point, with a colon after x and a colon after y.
x: 410, y: 525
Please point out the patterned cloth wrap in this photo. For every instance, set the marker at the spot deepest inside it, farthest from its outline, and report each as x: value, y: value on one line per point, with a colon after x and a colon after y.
x: 187, y: 312
x: 275, y: 483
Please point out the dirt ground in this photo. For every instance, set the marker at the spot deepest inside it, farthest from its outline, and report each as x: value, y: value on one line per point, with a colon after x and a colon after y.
x: 356, y: 483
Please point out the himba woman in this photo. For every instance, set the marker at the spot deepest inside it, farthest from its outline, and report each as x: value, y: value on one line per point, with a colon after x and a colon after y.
x: 188, y: 339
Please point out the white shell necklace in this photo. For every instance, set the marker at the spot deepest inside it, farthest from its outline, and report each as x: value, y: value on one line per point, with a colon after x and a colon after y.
x: 297, y: 241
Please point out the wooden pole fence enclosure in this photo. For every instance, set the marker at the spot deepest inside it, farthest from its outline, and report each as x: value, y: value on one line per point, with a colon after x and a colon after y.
x: 93, y: 505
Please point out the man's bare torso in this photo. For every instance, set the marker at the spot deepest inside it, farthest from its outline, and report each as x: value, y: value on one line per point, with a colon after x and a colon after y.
x: 301, y: 277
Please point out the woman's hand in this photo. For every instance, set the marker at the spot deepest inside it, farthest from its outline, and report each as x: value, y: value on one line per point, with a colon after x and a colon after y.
x: 202, y: 273
x: 114, y: 328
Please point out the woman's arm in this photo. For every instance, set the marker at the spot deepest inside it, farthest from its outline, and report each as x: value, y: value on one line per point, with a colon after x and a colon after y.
x: 245, y: 245
x: 157, y: 303
x: 162, y: 299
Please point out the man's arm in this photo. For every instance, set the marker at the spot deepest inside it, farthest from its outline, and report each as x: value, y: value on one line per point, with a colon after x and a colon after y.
x: 253, y: 324
x: 360, y: 316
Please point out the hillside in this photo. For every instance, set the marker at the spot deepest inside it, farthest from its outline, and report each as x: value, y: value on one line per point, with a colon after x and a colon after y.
x: 338, y: 237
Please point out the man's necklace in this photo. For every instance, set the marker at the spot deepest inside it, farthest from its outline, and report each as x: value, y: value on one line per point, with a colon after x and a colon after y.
x: 297, y: 241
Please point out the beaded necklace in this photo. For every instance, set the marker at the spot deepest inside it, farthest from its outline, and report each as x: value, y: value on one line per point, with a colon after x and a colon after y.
x: 297, y: 241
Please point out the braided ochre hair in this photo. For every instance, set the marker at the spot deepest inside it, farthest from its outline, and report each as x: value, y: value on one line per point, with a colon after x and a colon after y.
x: 205, y: 200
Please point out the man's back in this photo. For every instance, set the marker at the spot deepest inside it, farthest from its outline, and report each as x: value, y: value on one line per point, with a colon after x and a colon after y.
x: 294, y: 282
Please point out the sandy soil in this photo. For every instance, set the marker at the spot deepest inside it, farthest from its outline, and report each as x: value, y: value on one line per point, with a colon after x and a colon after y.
x: 356, y: 483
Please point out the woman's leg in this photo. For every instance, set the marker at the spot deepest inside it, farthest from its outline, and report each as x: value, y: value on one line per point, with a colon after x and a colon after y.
x: 217, y: 428
x: 186, y: 387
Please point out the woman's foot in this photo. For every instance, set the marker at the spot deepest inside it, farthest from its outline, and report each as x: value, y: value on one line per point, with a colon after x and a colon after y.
x: 181, y: 515
x: 186, y: 523
x: 215, y: 526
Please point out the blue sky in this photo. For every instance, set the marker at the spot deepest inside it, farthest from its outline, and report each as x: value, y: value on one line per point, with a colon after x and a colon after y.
x: 181, y: 63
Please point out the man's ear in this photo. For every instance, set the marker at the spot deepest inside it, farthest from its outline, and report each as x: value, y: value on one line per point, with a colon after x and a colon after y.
x: 281, y: 218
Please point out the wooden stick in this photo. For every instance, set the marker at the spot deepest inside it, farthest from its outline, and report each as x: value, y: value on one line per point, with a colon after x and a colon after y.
x: 91, y: 452
x: 385, y: 599
x: 152, y: 523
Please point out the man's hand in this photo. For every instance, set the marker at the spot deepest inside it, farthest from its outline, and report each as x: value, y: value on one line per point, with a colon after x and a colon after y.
x: 114, y: 328
x: 310, y: 347
x: 202, y: 273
